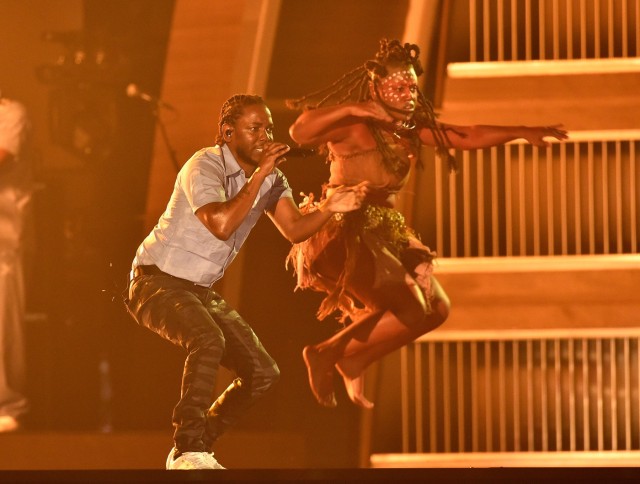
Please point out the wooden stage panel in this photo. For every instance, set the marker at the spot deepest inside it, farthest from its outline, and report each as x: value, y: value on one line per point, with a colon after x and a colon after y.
x: 463, y: 476
x: 132, y: 451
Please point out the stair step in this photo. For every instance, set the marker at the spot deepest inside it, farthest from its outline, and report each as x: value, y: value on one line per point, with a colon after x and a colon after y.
x: 585, y: 94
x: 497, y: 296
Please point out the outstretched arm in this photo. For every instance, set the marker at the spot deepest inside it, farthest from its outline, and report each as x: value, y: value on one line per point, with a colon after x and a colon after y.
x: 296, y: 227
x: 334, y: 123
x: 484, y: 136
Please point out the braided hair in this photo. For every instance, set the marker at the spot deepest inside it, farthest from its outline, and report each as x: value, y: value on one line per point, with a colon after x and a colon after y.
x: 354, y: 87
x: 232, y: 109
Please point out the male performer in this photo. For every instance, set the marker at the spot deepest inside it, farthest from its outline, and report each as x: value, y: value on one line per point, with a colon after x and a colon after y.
x: 218, y: 196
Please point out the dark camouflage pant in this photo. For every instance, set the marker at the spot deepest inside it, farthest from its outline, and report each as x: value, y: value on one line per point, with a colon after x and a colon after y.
x: 199, y: 320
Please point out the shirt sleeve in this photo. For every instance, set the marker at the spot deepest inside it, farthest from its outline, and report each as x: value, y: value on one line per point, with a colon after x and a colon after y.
x: 280, y: 189
x: 13, y: 123
x: 203, y: 180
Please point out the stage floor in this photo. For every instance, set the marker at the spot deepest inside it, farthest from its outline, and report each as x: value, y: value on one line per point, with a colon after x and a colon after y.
x: 138, y: 457
x: 484, y: 476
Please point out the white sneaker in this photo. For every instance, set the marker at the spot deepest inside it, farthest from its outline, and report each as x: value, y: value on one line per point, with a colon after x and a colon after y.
x: 216, y: 464
x: 8, y: 423
x: 192, y: 460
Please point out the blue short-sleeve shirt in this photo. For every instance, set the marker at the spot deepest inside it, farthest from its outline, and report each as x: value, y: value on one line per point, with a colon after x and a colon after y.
x: 180, y: 244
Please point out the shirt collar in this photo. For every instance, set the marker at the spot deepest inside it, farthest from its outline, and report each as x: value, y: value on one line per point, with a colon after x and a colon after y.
x: 231, y: 166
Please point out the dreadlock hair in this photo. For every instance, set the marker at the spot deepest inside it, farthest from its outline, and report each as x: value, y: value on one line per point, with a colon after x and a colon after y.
x: 232, y: 109
x: 354, y: 87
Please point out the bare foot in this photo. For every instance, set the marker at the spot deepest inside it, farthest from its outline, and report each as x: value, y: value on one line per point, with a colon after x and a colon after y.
x: 320, y: 373
x: 355, y: 388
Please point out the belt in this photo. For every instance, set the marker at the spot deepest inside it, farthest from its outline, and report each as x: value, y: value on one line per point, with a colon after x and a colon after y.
x: 153, y: 270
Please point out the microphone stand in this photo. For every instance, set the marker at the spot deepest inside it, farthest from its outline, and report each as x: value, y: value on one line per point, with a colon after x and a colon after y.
x: 165, y: 139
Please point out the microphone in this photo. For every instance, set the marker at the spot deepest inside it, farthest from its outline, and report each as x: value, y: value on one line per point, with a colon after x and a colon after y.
x: 296, y: 152
x: 134, y: 91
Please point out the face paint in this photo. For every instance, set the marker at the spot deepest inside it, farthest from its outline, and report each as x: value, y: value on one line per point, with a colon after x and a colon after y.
x: 395, y: 86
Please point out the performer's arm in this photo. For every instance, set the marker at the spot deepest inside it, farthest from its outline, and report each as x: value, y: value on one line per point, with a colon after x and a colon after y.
x: 334, y: 123
x: 223, y: 218
x: 296, y: 227
x: 484, y: 136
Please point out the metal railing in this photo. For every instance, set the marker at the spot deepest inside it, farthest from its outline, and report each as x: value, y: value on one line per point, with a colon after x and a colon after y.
x: 553, y: 29
x: 572, y: 198
x: 543, y: 394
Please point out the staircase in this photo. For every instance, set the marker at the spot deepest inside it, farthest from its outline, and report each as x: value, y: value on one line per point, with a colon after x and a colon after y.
x: 539, y: 363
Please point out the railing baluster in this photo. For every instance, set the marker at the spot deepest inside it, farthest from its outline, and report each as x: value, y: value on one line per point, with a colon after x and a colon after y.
x: 440, y: 207
x: 480, y: 202
x: 577, y: 190
x: 500, y: 29
x: 466, y: 203
x: 610, y: 29
x: 633, y: 195
x: 486, y: 31
x: 555, y: 9
x: 569, y: 29
x: 613, y: 385
x: 495, y: 204
x: 618, y: 199
x: 514, y: 30
x: 530, y: 398
x: 522, y: 197
x: 433, y: 390
x: 404, y: 397
x: 572, y: 396
x: 624, y: 32
x: 473, y: 31
x: 453, y: 210
x: 599, y: 395
x: 475, y: 420
x: 558, y: 395
x: 597, y: 29
x: 535, y: 188
x: 637, y: 22
x: 516, y: 396
x: 502, y: 397
x: 583, y: 29
x: 461, y: 396
x: 627, y: 394
x: 544, y: 395
x: 564, y: 222
x: 508, y: 195
x: 605, y: 199
x: 591, y: 198
x: 586, y: 396
x: 527, y: 29
x: 418, y: 397
x: 549, y: 164
x: 488, y: 398
x: 542, y: 35
x: 446, y: 396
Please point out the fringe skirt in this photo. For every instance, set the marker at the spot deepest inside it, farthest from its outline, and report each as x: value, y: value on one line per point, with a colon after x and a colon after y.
x: 331, y: 260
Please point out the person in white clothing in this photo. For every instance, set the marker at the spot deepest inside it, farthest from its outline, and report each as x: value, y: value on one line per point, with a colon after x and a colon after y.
x: 13, y: 201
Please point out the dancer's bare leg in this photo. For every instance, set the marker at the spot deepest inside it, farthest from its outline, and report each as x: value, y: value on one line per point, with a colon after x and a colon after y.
x: 372, y: 337
x: 391, y: 334
x: 355, y: 389
x: 320, y: 373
